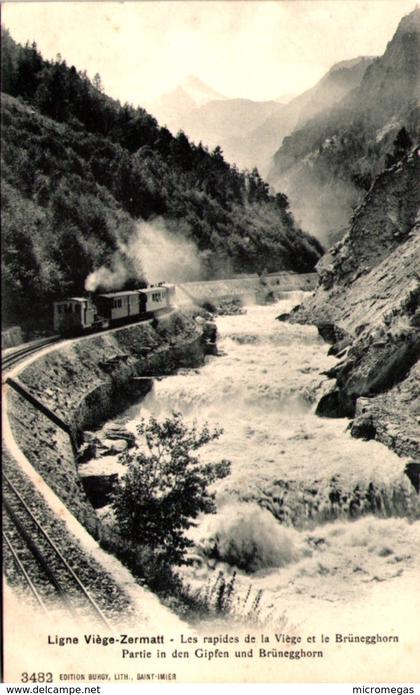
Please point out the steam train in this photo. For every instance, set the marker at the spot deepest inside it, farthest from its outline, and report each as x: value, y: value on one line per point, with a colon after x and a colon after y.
x: 78, y: 315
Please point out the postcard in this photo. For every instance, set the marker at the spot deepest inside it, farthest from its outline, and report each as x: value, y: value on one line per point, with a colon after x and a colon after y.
x: 210, y: 342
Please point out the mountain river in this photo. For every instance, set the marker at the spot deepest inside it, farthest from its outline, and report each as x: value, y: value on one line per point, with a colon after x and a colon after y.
x: 307, y: 510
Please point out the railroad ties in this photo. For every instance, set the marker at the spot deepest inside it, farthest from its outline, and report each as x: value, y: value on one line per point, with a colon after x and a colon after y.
x: 12, y: 357
x: 41, y: 564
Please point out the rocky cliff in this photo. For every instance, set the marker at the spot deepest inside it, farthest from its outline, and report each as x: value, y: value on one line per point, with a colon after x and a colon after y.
x: 256, y: 147
x: 367, y: 305
x: 326, y: 165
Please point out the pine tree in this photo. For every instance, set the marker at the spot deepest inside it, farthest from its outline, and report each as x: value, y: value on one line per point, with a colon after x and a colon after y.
x: 402, y: 144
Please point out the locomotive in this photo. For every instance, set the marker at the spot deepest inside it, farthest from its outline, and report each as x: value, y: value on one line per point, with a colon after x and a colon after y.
x: 76, y: 315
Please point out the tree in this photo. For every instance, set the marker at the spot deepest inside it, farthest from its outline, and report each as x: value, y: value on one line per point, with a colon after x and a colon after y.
x: 402, y: 144
x: 97, y: 82
x: 28, y: 70
x: 282, y: 201
x: 166, y: 486
x: 9, y: 58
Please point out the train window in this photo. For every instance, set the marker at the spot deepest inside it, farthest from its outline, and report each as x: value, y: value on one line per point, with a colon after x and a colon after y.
x: 156, y: 297
x: 117, y: 303
x: 68, y: 308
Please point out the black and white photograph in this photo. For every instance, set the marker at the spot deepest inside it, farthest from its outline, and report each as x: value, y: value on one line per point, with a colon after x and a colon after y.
x: 210, y: 342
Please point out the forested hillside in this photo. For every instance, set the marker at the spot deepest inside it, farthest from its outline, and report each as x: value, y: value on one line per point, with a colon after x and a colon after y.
x: 79, y: 170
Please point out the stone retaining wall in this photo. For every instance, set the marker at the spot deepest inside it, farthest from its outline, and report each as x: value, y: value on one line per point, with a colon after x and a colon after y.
x: 87, y: 381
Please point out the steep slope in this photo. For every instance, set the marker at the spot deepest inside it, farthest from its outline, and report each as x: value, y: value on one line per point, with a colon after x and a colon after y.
x: 368, y: 306
x: 256, y: 148
x: 326, y: 166
x: 80, y: 176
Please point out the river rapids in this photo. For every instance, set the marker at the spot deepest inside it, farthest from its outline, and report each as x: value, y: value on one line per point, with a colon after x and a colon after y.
x: 307, y: 510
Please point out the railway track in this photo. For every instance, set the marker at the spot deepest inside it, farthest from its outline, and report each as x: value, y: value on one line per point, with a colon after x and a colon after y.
x: 41, y: 565
x: 12, y: 358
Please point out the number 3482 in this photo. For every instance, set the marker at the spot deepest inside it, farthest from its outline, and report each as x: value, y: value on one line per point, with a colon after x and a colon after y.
x: 40, y: 677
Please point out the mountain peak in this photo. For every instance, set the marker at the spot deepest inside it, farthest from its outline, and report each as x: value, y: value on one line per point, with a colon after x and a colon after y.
x: 348, y: 64
x: 400, y: 62
x: 200, y: 92
x: 174, y: 108
x: 410, y: 22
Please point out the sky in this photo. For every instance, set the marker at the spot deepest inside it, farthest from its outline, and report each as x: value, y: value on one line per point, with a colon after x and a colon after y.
x: 253, y: 49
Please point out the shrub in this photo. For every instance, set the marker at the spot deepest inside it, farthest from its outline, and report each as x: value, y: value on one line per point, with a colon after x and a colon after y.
x: 165, y: 487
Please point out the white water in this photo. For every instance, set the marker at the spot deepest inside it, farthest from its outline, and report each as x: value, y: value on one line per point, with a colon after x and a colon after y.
x: 307, y: 508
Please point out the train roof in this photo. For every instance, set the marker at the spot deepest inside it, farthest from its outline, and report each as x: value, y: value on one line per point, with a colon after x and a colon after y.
x: 71, y: 299
x: 122, y: 293
x: 145, y: 290
x: 155, y: 288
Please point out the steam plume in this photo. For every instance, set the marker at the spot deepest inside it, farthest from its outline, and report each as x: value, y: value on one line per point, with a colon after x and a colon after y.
x: 154, y: 253
x: 110, y: 278
x: 165, y: 254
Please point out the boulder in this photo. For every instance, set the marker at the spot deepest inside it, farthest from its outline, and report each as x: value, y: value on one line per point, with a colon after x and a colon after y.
x: 210, y: 331
x: 86, y: 452
x: 330, y: 332
x: 99, y: 488
x: 119, y: 432
x: 363, y: 427
x: 412, y: 470
x: 335, y: 404
x: 112, y: 447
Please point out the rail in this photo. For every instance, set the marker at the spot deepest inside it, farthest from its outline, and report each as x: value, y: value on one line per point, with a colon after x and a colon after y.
x: 12, y: 358
x: 62, y: 572
x: 24, y: 573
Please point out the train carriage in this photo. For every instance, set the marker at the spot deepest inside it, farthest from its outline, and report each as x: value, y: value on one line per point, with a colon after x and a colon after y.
x: 156, y: 297
x: 73, y: 314
x: 117, y: 306
x: 83, y: 314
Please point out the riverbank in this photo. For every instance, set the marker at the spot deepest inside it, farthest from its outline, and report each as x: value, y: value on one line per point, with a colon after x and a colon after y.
x: 371, y: 325
x: 367, y: 307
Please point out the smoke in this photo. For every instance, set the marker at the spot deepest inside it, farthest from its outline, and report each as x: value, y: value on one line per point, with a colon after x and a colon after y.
x: 165, y: 254
x: 248, y: 537
x: 155, y: 252
x: 113, y: 277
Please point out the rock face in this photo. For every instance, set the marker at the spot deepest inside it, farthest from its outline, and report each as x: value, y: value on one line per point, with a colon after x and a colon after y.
x: 367, y: 304
x: 326, y: 165
x: 384, y: 219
